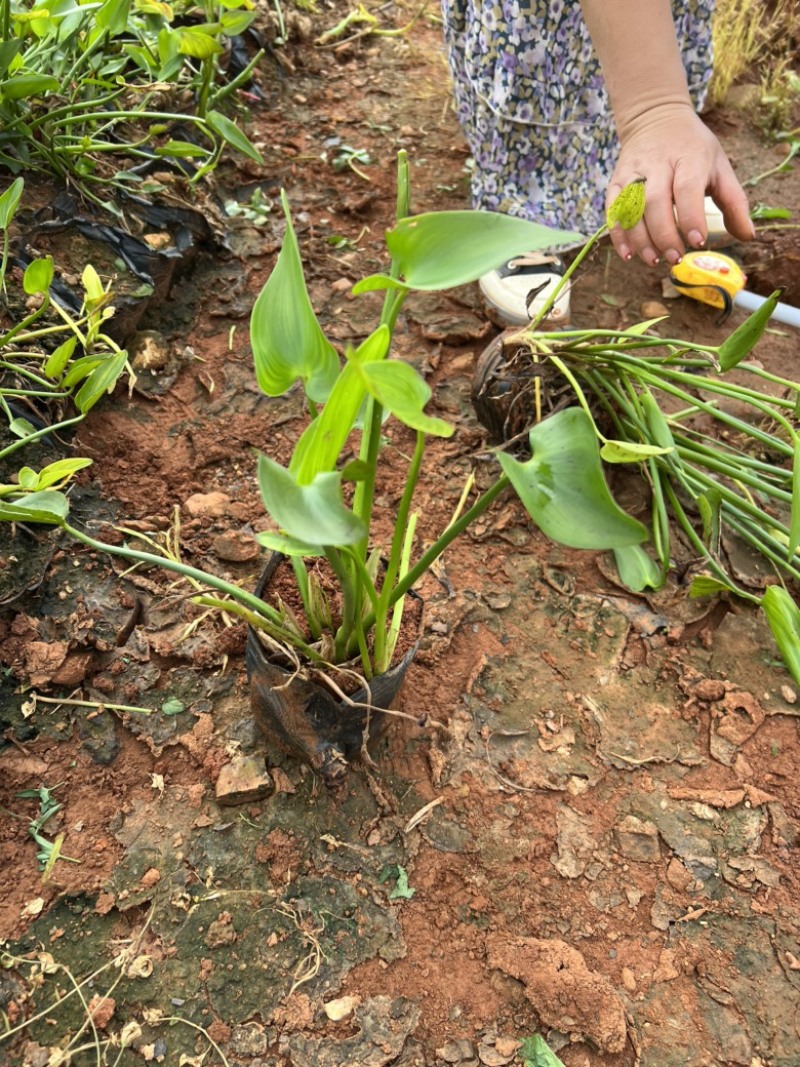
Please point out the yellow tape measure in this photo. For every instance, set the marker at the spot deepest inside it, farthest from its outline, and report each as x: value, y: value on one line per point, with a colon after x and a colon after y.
x: 709, y: 276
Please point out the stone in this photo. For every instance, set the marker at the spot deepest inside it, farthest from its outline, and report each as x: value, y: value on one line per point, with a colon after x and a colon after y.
x: 236, y: 546
x: 339, y: 1009
x: 637, y: 839
x: 207, y: 505
x: 243, y: 780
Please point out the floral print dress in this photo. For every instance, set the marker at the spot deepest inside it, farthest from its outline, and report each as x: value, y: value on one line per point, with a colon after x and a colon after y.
x: 531, y: 100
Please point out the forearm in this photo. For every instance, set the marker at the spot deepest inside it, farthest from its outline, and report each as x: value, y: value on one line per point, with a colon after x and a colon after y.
x: 638, y: 50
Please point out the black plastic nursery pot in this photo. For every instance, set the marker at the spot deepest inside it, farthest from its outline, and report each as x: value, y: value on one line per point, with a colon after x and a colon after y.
x: 303, y: 718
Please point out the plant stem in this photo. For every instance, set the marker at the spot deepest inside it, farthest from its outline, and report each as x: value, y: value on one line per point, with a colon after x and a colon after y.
x: 450, y: 534
x: 395, y: 553
x: 241, y: 596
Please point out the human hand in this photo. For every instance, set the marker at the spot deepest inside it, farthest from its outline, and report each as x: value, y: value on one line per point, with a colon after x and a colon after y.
x: 683, y: 162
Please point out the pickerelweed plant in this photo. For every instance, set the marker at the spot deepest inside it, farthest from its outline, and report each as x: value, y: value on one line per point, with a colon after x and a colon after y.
x: 323, y: 506
x: 95, y: 91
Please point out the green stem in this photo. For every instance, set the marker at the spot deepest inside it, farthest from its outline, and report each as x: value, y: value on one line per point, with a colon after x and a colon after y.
x: 241, y: 596
x: 23, y: 441
x: 564, y: 279
x: 396, y: 551
x: 453, y: 531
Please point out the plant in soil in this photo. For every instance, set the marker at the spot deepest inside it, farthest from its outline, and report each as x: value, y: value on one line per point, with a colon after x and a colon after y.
x: 352, y: 564
x: 322, y: 503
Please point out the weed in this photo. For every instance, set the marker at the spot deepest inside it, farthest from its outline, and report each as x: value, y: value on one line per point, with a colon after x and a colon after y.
x: 49, y: 851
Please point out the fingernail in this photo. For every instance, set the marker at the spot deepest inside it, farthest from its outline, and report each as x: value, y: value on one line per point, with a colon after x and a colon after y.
x: 625, y: 252
x: 752, y: 230
x: 672, y: 256
x: 696, y: 239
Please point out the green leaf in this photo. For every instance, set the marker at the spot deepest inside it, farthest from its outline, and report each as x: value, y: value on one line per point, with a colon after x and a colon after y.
x: 181, y: 150
x: 794, y: 523
x: 21, y: 427
x: 402, y: 890
x: 783, y: 616
x: 745, y: 337
x: 231, y: 133
x: 60, y: 472
x: 8, y: 51
x: 447, y: 248
x: 287, y: 546
x: 27, y: 478
x: 101, y: 380
x: 112, y: 16
x: 199, y: 45
x: 38, y: 276
x: 709, y: 504
x: 172, y: 706
x: 58, y: 360
x: 313, y: 513
x: 93, y: 287
x: 705, y: 585
x: 236, y: 22
x: 630, y: 451
x: 24, y: 86
x: 627, y: 208
x: 563, y: 488
x: 49, y: 507
x: 637, y: 570
x: 534, y: 1052
x: 402, y: 390
x: 377, y: 283
x: 9, y: 202
x: 286, y: 338
x: 320, y: 446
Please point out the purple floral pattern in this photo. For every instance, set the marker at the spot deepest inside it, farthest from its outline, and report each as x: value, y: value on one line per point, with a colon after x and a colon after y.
x: 531, y: 101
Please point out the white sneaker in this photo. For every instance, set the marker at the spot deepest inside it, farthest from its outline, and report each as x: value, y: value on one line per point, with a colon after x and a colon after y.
x: 517, y: 290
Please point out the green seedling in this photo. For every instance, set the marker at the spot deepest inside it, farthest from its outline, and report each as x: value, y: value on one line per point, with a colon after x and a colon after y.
x: 349, y: 158
x: 49, y: 851
x: 81, y: 369
x: 402, y: 890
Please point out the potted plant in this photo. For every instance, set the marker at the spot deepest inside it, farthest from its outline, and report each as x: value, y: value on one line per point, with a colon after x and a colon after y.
x: 334, y: 631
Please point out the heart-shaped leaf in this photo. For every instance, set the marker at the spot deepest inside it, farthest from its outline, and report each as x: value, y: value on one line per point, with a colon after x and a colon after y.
x: 563, y: 488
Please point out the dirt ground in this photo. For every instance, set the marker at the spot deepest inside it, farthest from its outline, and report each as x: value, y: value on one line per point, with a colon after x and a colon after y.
x: 606, y: 848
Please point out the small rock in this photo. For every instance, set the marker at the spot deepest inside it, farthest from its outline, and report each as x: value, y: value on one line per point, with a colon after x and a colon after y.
x: 336, y: 1010
x: 148, y: 351
x: 248, y: 1040
x: 637, y: 839
x: 490, y: 1057
x: 236, y: 546
x: 243, y: 780
x: 708, y: 689
x: 788, y: 694
x: 207, y: 505
x: 102, y: 1010
x: 628, y: 979
x: 652, y: 309
x: 342, y: 285
x: 666, y: 970
x: 677, y: 875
